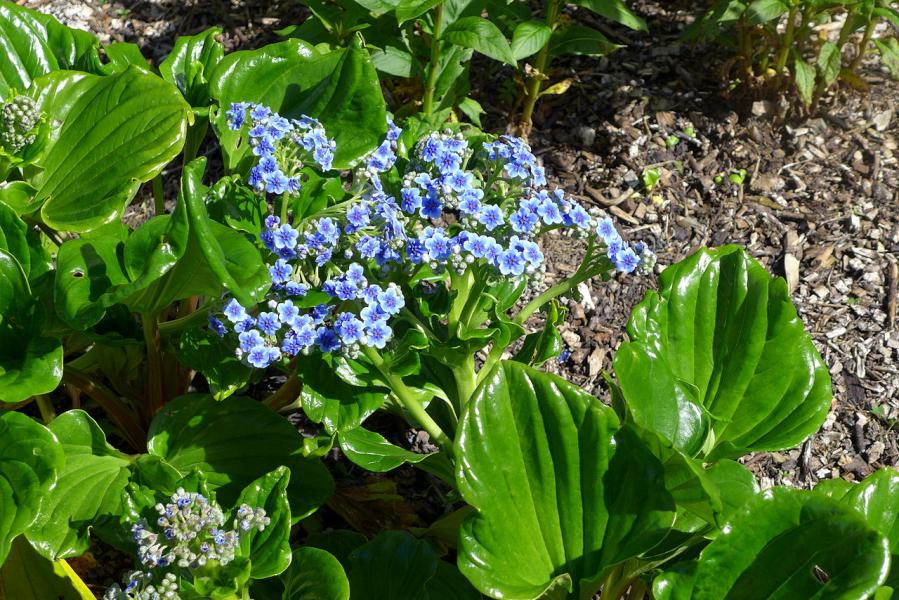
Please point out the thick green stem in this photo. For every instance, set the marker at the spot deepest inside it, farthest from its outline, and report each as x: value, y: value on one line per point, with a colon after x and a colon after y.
x: 462, y: 285
x: 863, y: 45
x: 535, y: 83
x: 614, y: 585
x: 158, y: 195
x: 124, y: 419
x: 176, y: 326
x: 784, y: 52
x: 154, y: 362
x: 466, y: 382
x: 408, y: 400
x: 285, y: 394
x: 46, y: 407
x: 427, y: 104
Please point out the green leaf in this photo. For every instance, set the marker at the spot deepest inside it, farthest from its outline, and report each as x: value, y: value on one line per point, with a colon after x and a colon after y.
x: 29, y: 362
x: 204, y: 351
x: 393, y: 566
x: 314, y: 575
x: 722, y: 331
x: 393, y: 61
x: 30, y: 459
x: 829, y: 63
x: 88, y: 491
x: 614, y: 10
x: 14, y: 237
x: 328, y: 398
x: 117, y: 132
x: 449, y: 584
x: 372, y: 452
x: 889, y: 54
x: 339, y: 88
x: 762, y: 11
x: 877, y: 499
x: 545, y: 344
x: 804, y: 76
x: 529, y: 38
x: 34, y: 44
x: 577, y: 39
x: 406, y: 10
x: 191, y: 62
x: 196, y: 431
x: 27, y: 574
x: 269, y: 549
x: 482, y: 36
x: 338, y: 542
x: 537, y: 454
x: 472, y: 109
x: 775, y: 546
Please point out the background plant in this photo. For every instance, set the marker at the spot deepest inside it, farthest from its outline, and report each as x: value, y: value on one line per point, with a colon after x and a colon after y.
x: 433, y: 50
x: 777, y: 44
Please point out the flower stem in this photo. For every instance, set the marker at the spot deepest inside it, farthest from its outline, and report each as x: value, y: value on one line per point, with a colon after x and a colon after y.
x: 158, y: 196
x: 535, y: 84
x: 154, y: 362
x: 433, y: 66
x: 863, y: 45
x: 408, y: 400
x: 118, y: 412
x: 46, y: 407
x: 285, y: 394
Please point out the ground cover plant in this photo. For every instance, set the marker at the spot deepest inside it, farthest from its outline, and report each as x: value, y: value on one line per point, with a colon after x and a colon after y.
x: 371, y: 264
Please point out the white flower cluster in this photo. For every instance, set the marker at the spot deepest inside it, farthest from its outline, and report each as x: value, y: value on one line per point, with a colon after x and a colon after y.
x: 139, y: 586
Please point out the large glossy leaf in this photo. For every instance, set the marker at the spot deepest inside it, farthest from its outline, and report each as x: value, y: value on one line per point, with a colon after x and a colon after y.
x: 340, y: 88
x: 877, y: 499
x: 190, y: 64
x: 88, y: 491
x: 34, y: 44
x: 30, y: 363
x: 788, y: 544
x: 721, y: 341
x: 269, y: 549
x: 30, y: 459
x: 234, y: 442
x: 26, y: 574
x: 561, y: 493
x: 314, y: 574
x: 393, y: 566
x: 117, y: 131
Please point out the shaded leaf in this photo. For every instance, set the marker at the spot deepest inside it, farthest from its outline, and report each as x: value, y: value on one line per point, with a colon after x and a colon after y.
x: 314, y: 574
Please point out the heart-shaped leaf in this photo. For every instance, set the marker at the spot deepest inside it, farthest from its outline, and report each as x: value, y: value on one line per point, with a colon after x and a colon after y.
x: 269, y: 549
x: 339, y: 88
x: 329, y: 399
x: 372, y: 452
x: 314, y: 574
x: 30, y: 459
x: 722, y: 335
x: 34, y: 44
x: 88, y: 491
x: 234, y: 442
x: 117, y: 131
x: 29, y: 362
x: 787, y: 544
x: 561, y: 493
x: 190, y: 64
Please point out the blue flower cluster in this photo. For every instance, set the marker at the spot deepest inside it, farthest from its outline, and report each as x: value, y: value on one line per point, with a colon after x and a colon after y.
x: 281, y: 146
x: 455, y: 208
